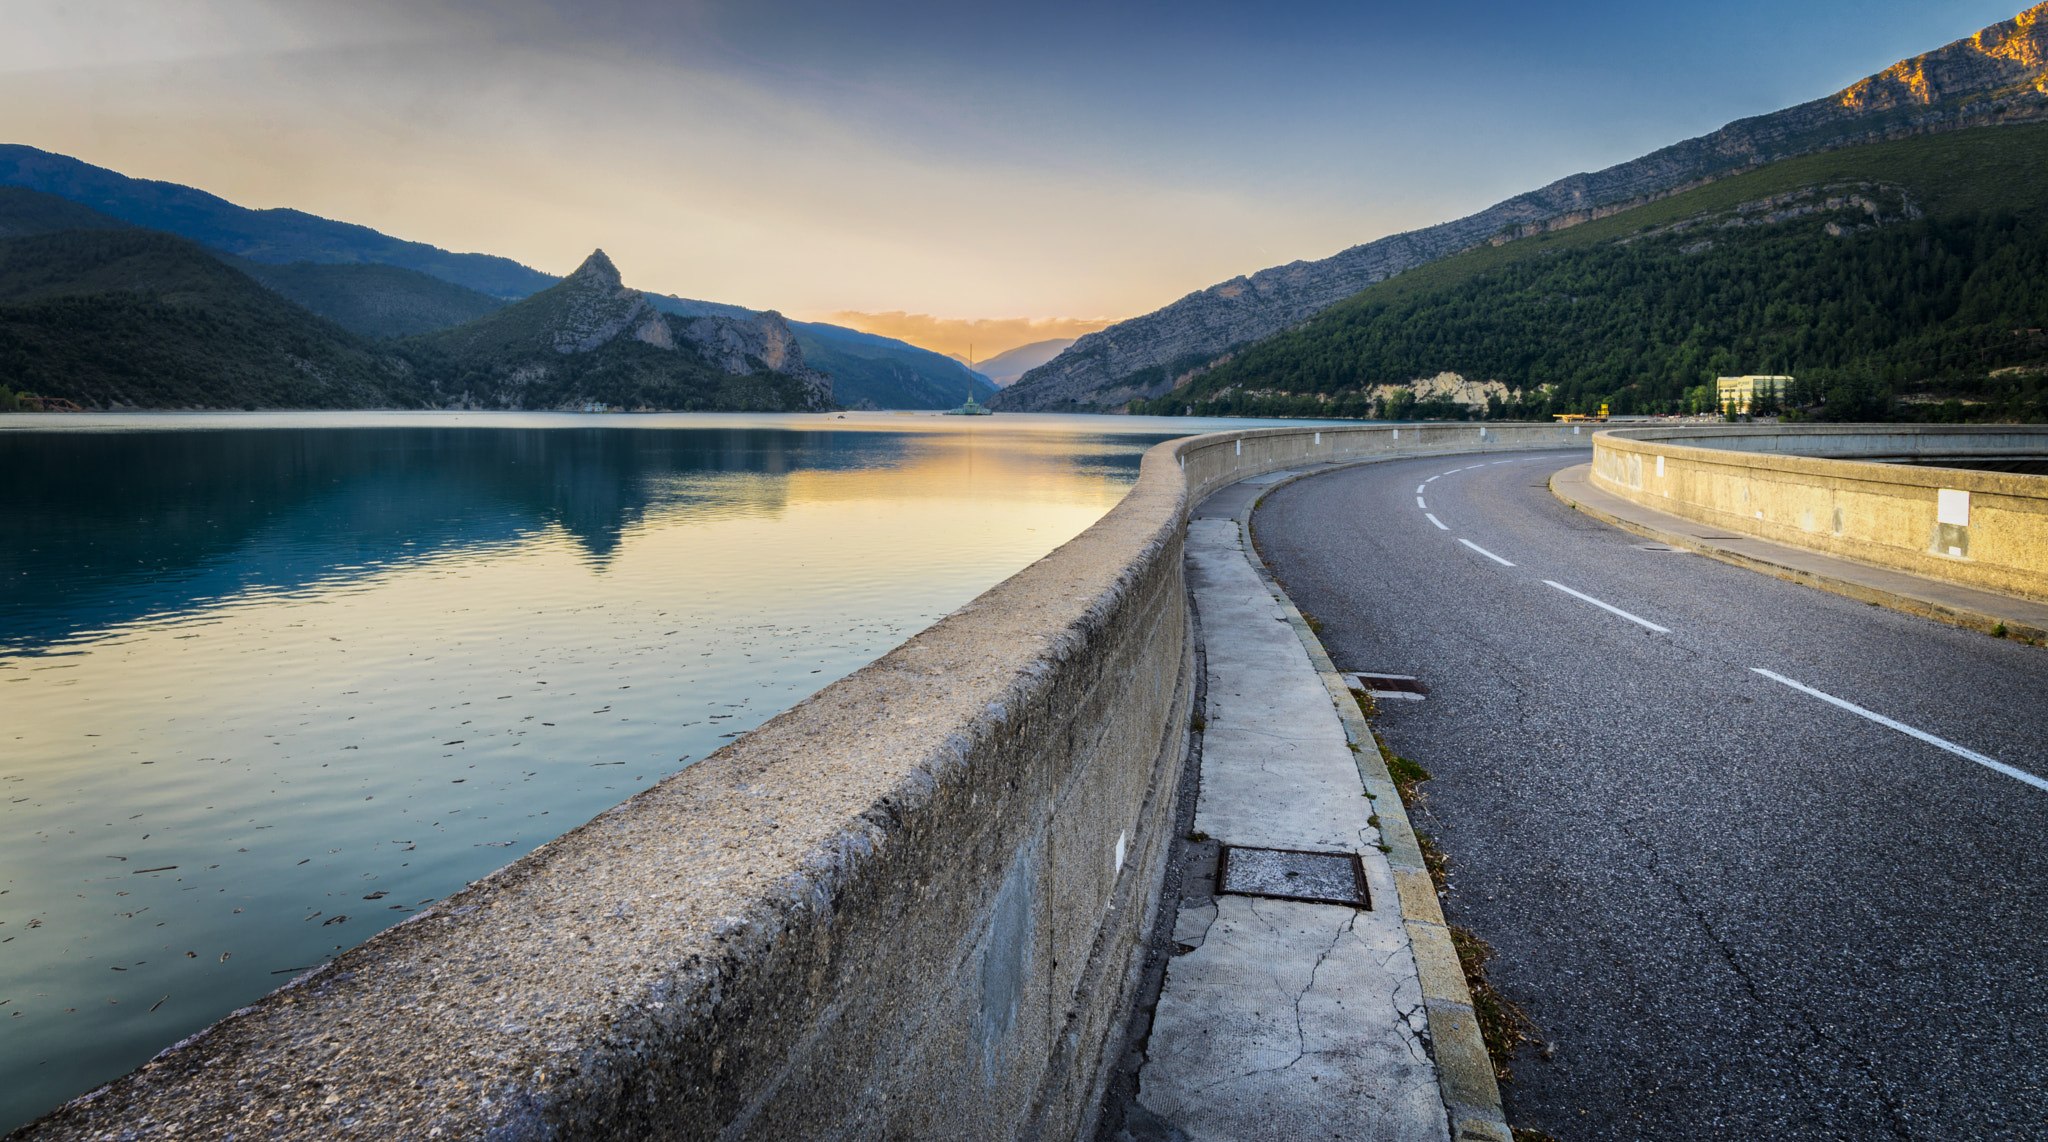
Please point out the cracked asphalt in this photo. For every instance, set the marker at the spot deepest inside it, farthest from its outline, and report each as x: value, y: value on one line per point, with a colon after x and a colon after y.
x: 1735, y: 911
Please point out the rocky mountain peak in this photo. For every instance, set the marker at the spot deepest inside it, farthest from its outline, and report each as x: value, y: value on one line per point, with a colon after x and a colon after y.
x: 597, y: 269
x: 598, y: 307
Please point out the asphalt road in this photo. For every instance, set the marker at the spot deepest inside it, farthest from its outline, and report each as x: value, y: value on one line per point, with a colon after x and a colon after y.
x: 1734, y: 909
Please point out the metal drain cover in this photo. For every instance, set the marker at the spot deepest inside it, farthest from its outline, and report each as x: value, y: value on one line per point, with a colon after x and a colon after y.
x: 1291, y: 874
x: 1403, y: 686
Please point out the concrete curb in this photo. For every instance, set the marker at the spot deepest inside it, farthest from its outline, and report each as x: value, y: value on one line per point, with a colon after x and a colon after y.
x: 1572, y: 488
x: 1464, y: 1070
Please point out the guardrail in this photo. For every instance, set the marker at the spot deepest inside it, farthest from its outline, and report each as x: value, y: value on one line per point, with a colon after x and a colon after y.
x: 910, y: 906
x: 1820, y: 487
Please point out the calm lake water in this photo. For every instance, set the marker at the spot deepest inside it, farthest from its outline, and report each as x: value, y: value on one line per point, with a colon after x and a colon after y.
x: 270, y: 682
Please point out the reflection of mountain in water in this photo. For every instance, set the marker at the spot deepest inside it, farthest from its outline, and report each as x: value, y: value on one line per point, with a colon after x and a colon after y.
x: 105, y: 528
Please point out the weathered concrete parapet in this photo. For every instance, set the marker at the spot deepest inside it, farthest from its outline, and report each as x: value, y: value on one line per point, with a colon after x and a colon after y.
x: 1226, y: 457
x: 1820, y: 487
x: 908, y: 907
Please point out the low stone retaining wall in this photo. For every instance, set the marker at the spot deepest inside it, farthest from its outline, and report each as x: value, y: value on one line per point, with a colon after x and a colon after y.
x: 1819, y: 488
x: 908, y: 907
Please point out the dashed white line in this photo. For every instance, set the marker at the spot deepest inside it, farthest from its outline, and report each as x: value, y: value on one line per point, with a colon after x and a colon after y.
x: 1439, y: 523
x: 1434, y: 479
x: 1923, y: 735
x: 1420, y: 504
x: 1636, y: 619
x: 1419, y: 488
x: 1485, y: 552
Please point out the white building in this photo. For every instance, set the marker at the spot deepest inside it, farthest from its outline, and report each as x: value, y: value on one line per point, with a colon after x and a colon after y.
x: 1743, y: 390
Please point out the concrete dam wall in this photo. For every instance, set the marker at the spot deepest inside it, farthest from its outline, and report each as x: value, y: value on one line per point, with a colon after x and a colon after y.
x: 1824, y: 488
x: 909, y: 907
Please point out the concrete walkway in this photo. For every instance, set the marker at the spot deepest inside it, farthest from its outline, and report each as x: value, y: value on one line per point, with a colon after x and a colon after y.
x: 1281, y: 1019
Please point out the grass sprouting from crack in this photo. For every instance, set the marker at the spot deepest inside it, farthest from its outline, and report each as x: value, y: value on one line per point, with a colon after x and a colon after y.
x: 1368, y: 708
x: 1407, y: 775
x: 1503, y: 1026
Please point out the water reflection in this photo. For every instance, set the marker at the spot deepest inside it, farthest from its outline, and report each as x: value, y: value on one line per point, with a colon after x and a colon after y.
x: 267, y: 690
x: 105, y: 528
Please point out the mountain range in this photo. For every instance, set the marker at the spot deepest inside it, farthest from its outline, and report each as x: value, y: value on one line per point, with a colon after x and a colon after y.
x: 590, y: 339
x: 868, y: 371
x: 109, y: 314
x: 1998, y: 76
x: 1901, y: 280
x: 117, y: 291
x: 1005, y: 367
x: 381, y: 287
x: 274, y: 236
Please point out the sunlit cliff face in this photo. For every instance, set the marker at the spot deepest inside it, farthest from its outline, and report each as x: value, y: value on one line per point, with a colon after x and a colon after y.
x: 2017, y: 48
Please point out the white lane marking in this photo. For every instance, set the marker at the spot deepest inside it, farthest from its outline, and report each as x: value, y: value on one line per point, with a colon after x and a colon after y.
x: 1420, y: 488
x: 1434, y: 479
x: 1923, y: 735
x: 1420, y: 504
x: 1639, y: 621
x: 1485, y: 552
x: 1439, y: 523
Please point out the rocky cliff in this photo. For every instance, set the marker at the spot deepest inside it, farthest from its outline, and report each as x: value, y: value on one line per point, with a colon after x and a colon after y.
x: 743, y: 345
x: 1999, y: 75
x: 588, y: 339
x: 597, y: 306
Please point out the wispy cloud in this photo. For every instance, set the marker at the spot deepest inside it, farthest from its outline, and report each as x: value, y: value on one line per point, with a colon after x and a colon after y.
x: 921, y: 163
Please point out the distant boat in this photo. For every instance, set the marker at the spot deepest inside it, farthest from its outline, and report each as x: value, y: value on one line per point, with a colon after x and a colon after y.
x: 970, y: 408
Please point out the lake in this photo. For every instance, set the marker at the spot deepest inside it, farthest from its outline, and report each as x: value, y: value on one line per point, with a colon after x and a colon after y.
x: 269, y: 682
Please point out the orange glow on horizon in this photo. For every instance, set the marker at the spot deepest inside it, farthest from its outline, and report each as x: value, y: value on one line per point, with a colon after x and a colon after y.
x: 987, y: 336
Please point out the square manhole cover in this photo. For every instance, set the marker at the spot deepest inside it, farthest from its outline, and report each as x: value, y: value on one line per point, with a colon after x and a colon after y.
x: 1290, y: 874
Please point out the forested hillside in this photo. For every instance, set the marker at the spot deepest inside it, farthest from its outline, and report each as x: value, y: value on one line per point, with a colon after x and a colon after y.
x: 371, y: 300
x: 24, y: 212
x: 276, y: 236
x: 1904, y: 280
x: 137, y: 317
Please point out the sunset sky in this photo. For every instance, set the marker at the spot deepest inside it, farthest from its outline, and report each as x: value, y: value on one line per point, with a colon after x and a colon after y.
x: 957, y: 160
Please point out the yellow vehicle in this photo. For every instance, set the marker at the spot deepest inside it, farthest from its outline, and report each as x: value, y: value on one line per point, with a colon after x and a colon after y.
x: 1581, y: 418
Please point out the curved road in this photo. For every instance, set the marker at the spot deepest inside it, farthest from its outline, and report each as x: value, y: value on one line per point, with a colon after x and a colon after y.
x: 1733, y: 908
